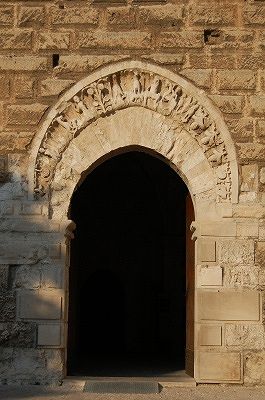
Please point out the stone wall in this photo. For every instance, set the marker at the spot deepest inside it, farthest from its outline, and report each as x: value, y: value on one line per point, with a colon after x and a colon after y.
x: 46, y: 48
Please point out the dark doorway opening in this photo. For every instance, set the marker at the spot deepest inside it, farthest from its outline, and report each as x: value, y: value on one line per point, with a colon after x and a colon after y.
x: 127, y: 280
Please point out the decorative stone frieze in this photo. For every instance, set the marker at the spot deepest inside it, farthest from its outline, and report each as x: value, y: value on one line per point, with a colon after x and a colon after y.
x: 138, y: 85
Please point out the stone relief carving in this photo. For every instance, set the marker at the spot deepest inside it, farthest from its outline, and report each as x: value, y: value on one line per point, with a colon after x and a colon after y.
x: 128, y: 88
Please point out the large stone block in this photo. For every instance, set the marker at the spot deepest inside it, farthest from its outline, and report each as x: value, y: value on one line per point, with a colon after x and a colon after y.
x: 7, y: 307
x: 229, y: 104
x: 206, y: 250
x: 254, y: 367
x: 217, y: 228
x: 245, y: 336
x: 31, y: 16
x: 260, y: 253
x: 254, y: 14
x: 84, y: 63
x: 23, y: 63
x: 74, y: 15
x: 53, y: 40
x: 251, y: 151
x: 49, y: 334
x: 26, y: 114
x: 124, y: 40
x: 6, y: 15
x: 237, y: 251
x: 239, y: 276
x: 15, y: 39
x: 210, y: 275
x: 236, y: 79
x: 27, y: 277
x: 53, y: 87
x: 182, y: 39
x: 257, y: 105
x: 166, y: 15
x: 39, y: 305
x: 212, y: 14
x: 210, y: 335
x: 249, y: 176
x: 219, y: 367
x: 18, y: 334
x: 201, y: 77
x: 229, y: 305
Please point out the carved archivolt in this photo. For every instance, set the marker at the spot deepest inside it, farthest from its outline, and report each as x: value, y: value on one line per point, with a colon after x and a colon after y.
x: 133, y: 87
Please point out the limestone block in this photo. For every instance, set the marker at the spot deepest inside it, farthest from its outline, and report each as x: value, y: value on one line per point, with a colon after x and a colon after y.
x: 6, y: 16
x: 211, y: 14
x: 249, y: 176
x: 27, y: 114
x: 247, y: 229
x: 51, y: 276
x: 260, y: 253
x: 23, y: 86
x: 128, y: 40
x: 23, y: 63
x: 245, y: 336
x: 182, y: 39
x: 166, y: 59
x: 15, y: 39
x: 166, y: 15
x: 262, y: 175
x: 18, y: 334
x: 4, y: 87
x: 241, y: 276
x: 210, y: 275
x: 236, y: 79
x: 210, y: 335
x: 260, y: 123
x: 254, y: 14
x: 228, y: 104
x: 251, y: 151
x: 218, y: 229
x: 238, y: 251
x: 53, y: 40
x: 4, y: 273
x: 206, y: 250
x: 53, y: 87
x: 31, y: 208
x: 257, y: 105
x: 249, y: 210
x: 84, y: 63
x: 31, y: 16
x: 254, y: 367
x: 49, y: 334
x: 218, y: 367
x: 24, y: 252
x: 27, y: 277
x: 201, y: 77
x: 229, y: 305
x: 39, y: 305
x: 74, y: 15
x: 241, y: 128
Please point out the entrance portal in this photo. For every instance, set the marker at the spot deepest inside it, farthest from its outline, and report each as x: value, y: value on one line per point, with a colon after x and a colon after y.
x: 127, y: 293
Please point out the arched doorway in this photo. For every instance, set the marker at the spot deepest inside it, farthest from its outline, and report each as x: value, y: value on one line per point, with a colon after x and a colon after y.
x: 128, y: 288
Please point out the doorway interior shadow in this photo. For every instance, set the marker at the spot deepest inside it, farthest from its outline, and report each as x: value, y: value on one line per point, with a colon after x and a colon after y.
x: 127, y: 279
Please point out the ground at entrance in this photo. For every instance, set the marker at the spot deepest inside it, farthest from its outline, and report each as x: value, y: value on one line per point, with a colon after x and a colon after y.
x: 201, y: 392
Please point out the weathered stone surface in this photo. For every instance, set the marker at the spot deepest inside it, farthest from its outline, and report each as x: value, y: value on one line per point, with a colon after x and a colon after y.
x: 262, y: 175
x: 254, y: 367
x: 182, y: 39
x: 15, y: 39
x: 27, y: 114
x: 229, y: 305
x: 12, y: 141
x: 212, y: 14
x: 74, y: 15
x: 23, y: 86
x: 7, y: 307
x: 166, y: 59
x: 241, y: 276
x: 23, y: 63
x: 247, y: 229
x: 236, y: 252
x: 201, y: 77
x: 128, y: 40
x: 167, y: 15
x: 251, y: 151
x: 257, y: 104
x: 4, y: 274
x: 4, y: 87
x: 51, y: 276
x: 53, y: 40
x: 254, y: 14
x: 260, y: 253
x: 31, y: 16
x: 236, y: 79
x: 80, y: 63
x: 206, y: 250
x: 245, y: 336
x: 18, y: 334
x: 210, y: 276
x: 53, y: 87
x: 242, y: 129
x: 121, y: 17
x: 6, y: 15
x: 27, y: 277
x: 260, y: 127
x: 249, y: 178
x: 229, y: 104
x: 220, y: 366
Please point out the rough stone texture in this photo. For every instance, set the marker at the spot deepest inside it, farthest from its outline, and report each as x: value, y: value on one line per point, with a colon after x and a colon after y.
x: 217, y: 50
x: 245, y: 336
x: 236, y: 252
x: 28, y: 114
x: 254, y: 367
x: 18, y: 334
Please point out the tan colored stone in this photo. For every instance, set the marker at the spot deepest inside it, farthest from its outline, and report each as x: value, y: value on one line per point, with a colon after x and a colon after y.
x: 40, y: 305
x: 257, y: 104
x: 236, y: 79
x: 245, y: 336
x: 23, y: 86
x: 260, y: 253
x: 247, y: 229
x: 201, y: 77
x: 74, y: 15
x: 4, y: 87
x: 240, y: 251
x: 219, y: 367
x: 53, y: 40
x: 254, y: 368
x: 239, y: 276
x: 229, y: 305
x: 229, y: 104
x: 207, y: 250
x: 23, y: 63
x: 210, y: 335
x: 31, y: 16
x: 249, y: 177
x: 83, y: 63
x: 242, y: 129
x: 53, y: 87
x: 27, y: 114
x: 211, y: 14
x: 216, y: 228
x: 182, y: 39
x: 210, y: 276
x: 254, y: 14
x: 262, y: 175
x: 166, y: 15
x: 128, y: 40
x: 15, y: 39
x: 6, y: 15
